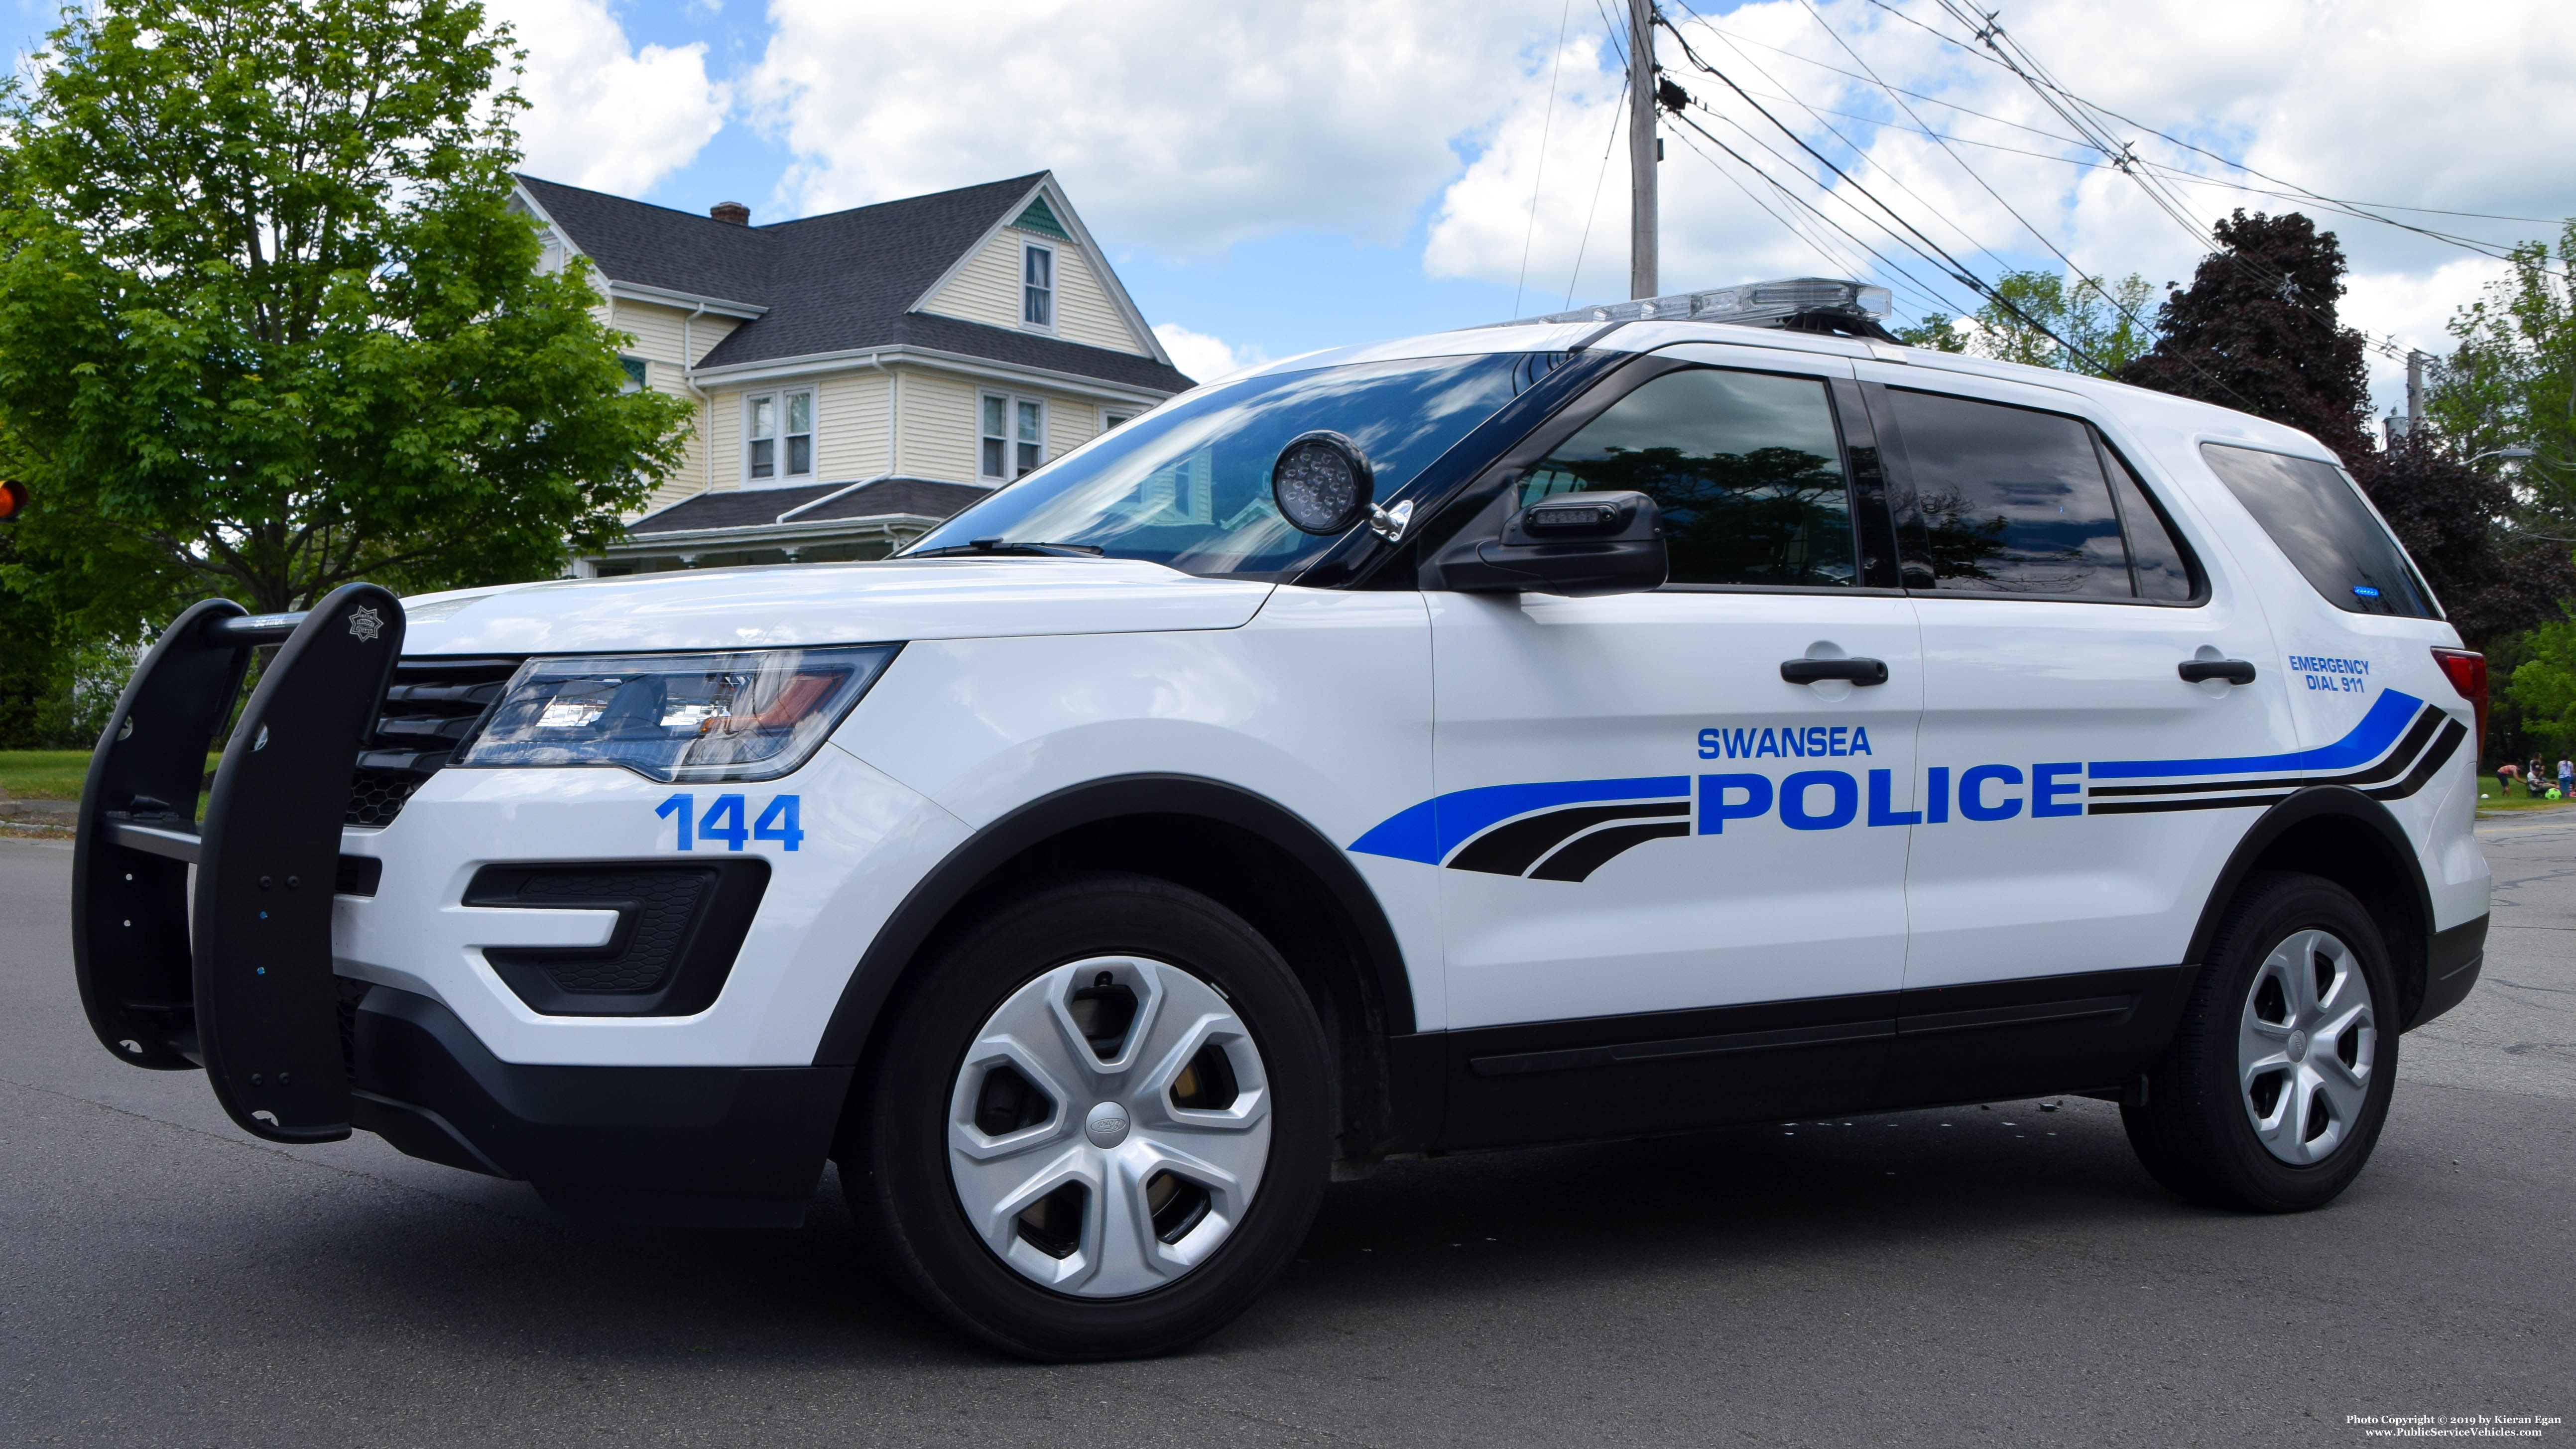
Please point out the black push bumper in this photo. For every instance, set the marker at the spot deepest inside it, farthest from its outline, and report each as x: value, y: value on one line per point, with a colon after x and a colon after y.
x: 236, y: 975
x: 253, y: 999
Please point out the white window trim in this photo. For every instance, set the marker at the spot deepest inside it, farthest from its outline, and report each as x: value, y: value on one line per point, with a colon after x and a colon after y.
x: 1124, y: 415
x: 1010, y: 436
x: 780, y: 477
x: 1055, y: 284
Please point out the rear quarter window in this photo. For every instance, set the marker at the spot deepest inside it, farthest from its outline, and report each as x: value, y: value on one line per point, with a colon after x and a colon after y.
x: 2316, y: 516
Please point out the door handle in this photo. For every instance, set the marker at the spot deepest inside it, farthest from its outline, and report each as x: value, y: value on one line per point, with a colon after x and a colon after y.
x: 2234, y: 671
x: 1811, y: 671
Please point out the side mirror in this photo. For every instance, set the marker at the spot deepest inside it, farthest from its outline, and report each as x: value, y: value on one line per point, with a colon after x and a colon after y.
x: 1576, y: 544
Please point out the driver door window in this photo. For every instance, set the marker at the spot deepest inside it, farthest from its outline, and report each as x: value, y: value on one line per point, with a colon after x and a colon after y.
x: 1745, y: 467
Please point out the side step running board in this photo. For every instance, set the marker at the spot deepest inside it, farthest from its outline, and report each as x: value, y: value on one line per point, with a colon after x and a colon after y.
x: 254, y: 1001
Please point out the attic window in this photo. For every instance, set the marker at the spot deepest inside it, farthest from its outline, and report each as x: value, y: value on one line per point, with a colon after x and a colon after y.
x: 1040, y: 218
x: 1037, y: 286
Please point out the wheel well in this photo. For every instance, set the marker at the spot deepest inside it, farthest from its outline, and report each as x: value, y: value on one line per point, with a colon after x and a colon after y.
x: 1274, y: 892
x: 2357, y: 854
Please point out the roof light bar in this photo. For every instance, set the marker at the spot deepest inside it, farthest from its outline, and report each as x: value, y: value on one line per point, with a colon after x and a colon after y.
x: 1755, y: 304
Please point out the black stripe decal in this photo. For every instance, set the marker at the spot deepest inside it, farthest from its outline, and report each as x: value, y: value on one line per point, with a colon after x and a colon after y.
x: 1512, y: 849
x: 2432, y: 762
x: 2148, y: 807
x: 1589, y: 853
x: 2387, y: 768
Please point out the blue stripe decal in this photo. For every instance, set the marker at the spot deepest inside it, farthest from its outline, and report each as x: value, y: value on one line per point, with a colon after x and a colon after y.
x: 2389, y: 715
x: 1429, y: 831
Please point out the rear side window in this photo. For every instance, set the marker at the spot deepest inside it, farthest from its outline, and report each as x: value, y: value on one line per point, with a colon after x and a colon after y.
x: 2005, y: 500
x: 2317, y: 517
x: 2156, y: 555
x: 1746, y: 470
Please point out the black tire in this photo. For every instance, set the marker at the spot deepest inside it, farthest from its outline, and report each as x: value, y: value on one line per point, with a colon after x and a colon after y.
x: 2195, y: 1133
x: 895, y: 1164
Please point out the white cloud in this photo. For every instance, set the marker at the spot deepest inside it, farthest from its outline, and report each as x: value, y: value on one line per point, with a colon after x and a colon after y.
x: 1203, y: 357
x: 601, y: 113
x: 2434, y: 105
x: 1178, y: 125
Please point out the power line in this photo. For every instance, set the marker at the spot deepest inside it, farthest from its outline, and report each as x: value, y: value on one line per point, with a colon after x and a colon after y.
x: 1885, y: 266
x: 1556, y: 63
x: 1618, y: 113
x: 1855, y: 147
x: 1953, y: 265
x: 2095, y: 283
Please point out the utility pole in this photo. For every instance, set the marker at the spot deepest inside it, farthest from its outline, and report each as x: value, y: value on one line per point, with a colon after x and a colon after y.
x: 2415, y: 389
x: 1644, y: 150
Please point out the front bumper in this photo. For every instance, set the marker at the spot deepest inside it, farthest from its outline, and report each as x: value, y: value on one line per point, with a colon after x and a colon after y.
x: 702, y: 1146
x: 426, y: 980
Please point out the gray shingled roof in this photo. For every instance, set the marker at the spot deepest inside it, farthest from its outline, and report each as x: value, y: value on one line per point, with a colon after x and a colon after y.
x: 833, y: 283
x: 760, y: 507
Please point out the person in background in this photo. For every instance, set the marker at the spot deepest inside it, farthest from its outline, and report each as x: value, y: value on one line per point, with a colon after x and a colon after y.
x: 2566, y: 779
x: 2531, y: 776
x: 2506, y: 774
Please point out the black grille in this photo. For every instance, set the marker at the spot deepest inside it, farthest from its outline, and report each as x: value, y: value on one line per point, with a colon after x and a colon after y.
x: 432, y: 707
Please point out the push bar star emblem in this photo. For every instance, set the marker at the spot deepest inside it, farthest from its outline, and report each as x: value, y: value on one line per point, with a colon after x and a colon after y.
x: 365, y: 624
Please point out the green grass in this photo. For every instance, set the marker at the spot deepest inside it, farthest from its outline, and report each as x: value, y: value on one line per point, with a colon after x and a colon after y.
x: 49, y: 774
x: 2492, y: 796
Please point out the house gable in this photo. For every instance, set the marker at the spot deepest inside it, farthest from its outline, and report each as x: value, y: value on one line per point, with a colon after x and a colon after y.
x: 983, y: 284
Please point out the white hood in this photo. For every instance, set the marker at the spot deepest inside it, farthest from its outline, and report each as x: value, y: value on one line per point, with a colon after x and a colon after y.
x: 856, y: 603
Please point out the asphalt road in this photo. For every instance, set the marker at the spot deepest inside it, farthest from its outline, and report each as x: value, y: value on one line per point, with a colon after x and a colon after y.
x: 2003, y: 1275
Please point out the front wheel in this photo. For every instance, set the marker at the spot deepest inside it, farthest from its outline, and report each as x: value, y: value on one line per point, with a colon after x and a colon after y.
x: 1099, y: 1125
x: 2278, y: 1080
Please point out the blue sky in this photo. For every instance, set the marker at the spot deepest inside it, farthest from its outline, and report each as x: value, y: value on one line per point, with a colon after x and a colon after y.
x: 1279, y: 175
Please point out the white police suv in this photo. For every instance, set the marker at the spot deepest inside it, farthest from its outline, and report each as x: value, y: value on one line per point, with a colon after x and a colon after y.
x: 1696, y: 712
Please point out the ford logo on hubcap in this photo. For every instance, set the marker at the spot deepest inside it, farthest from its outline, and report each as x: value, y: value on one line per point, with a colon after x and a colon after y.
x: 1106, y: 1126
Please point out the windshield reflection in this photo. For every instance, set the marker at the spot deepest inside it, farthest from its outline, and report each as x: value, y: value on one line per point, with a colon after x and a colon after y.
x: 1189, y: 484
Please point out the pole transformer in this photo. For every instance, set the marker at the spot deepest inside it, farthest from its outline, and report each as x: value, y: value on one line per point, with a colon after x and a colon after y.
x: 1644, y: 150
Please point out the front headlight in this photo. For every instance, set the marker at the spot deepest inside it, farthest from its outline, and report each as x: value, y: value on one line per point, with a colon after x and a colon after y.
x: 752, y: 715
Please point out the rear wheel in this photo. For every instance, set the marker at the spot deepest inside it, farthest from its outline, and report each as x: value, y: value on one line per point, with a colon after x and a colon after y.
x: 2278, y: 1080
x: 1100, y: 1125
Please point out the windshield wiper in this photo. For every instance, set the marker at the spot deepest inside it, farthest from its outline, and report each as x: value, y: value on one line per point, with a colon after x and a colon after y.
x: 996, y: 546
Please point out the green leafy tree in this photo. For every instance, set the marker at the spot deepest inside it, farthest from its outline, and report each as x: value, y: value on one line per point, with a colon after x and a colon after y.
x: 268, y: 323
x: 2512, y: 379
x: 2543, y: 687
x: 2075, y: 324
x: 1938, y: 331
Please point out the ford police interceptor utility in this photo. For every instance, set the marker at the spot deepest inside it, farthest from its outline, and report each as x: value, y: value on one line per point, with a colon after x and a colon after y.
x: 1695, y: 712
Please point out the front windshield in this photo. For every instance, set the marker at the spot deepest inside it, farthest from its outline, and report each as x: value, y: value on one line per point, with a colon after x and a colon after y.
x: 1189, y: 484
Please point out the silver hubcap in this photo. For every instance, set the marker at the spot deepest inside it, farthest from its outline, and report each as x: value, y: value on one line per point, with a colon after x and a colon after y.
x: 1109, y: 1126
x: 2305, y: 1049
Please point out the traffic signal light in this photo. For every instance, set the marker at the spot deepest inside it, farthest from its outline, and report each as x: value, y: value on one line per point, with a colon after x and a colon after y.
x: 13, y: 498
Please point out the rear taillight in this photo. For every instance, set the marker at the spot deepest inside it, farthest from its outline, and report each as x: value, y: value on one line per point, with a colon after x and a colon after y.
x: 2468, y: 673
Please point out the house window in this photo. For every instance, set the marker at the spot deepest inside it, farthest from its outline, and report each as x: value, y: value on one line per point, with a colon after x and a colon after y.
x: 637, y: 374
x: 1014, y: 435
x: 778, y: 435
x: 1109, y: 419
x: 1037, y: 286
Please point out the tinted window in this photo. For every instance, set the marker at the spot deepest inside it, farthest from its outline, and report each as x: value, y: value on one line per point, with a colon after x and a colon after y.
x: 2155, y: 553
x: 2317, y: 517
x: 2005, y: 500
x: 1745, y: 467
x: 1188, y: 484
